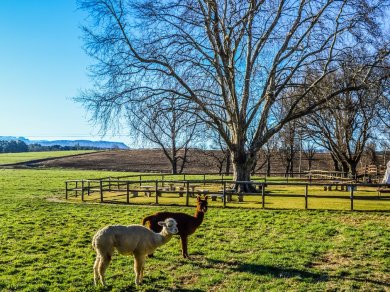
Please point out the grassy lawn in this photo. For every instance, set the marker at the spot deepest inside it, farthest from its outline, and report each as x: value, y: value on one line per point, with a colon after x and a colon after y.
x: 9, y: 158
x: 45, y: 244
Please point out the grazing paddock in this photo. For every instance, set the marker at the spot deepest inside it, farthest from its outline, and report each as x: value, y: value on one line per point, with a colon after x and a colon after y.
x: 45, y: 244
x: 11, y: 158
x: 279, y: 194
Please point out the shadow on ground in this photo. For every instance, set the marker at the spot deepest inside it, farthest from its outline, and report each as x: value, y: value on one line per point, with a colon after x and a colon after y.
x: 281, y: 272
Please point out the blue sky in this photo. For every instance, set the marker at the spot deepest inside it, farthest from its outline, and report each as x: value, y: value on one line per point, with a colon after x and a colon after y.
x: 42, y: 66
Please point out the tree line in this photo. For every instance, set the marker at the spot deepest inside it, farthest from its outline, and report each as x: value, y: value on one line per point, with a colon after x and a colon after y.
x: 17, y: 146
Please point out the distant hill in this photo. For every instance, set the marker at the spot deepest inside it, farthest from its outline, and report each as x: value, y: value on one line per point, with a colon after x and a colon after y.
x: 72, y: 143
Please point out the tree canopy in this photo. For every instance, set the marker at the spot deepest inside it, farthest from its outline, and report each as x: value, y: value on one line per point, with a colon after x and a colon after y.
x: 246, y: 68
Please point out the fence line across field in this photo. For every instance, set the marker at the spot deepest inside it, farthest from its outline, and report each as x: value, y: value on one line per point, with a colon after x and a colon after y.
x: 187, y: 188
x: 312, y: 175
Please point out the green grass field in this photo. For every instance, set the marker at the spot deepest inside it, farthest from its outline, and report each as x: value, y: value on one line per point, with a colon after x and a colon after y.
x: 9, y: 158
x: 45, y: 244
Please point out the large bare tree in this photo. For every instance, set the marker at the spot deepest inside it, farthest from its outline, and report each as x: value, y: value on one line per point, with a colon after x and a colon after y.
x: 234, y: 61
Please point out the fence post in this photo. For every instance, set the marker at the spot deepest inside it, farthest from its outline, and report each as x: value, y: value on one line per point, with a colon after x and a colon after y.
x: 140, y: 180
x: 187, y: 193
x: 163, y: 180
x: 262, y: 195
x: 82, y: 190
x: 127, y: 192
x: 101, y: 191
x: 156, y: 191
x: 224, y: 194
x: 306, y: 195
x: 351, y: 197
x: 204, y: 179
x: 77, y: 186
x: 109, y: 183
x: 89, y: 188
x: 66, y: 190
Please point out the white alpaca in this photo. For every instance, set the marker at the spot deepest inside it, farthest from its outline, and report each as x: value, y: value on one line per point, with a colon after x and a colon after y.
x: 134, y: 240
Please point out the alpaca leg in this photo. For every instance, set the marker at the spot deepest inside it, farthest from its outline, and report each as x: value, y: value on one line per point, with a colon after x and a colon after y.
x: 95, y: 270
x: 103, y: 264
x: 184, y: 242
x: 139, y: 262
x: 142, y: 269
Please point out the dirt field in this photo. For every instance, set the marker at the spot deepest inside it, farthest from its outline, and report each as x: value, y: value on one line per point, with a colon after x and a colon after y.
x: 149, y: 160
x: 127, y: 160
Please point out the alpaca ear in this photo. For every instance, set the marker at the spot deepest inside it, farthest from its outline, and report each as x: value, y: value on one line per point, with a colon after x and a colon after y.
x: 206, y: 197
x: 198, y: 198
x: 162, y: 223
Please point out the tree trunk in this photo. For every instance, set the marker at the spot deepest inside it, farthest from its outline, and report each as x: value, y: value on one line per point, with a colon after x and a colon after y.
x: 253, y: 170
x: 310, y: 162
x: 242, y: 165
x: 268, y: 165
x: 335, y: 163
x: 183, y: 159
x: 228, y: 163
x: 220, y: 168
x: 352, y: 168
x: 345, y: 167
x: 286, y: 170
x: 174, y: 166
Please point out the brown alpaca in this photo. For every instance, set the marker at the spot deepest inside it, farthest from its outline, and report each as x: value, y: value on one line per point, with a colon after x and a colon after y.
x: 186, y: 224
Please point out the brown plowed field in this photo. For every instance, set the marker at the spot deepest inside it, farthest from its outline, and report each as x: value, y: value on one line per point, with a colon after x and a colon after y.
x: 153, y: 160
x: 145, y: 160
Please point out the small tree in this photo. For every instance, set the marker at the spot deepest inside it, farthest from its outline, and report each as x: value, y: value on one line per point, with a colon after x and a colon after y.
x: 288, y: 147
x: 309, y: 150
x: 345, y: 125
x: 168, y: 125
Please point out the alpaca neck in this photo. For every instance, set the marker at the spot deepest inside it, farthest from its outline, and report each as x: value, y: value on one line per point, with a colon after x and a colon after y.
x: 164, y: 237
x: 199, y: 216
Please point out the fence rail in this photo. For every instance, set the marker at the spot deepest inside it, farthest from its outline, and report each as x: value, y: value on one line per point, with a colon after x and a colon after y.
x: 222, y: 189
x: 311, y: 176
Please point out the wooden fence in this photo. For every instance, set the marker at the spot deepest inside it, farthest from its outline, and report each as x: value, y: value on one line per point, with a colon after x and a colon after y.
x: 221, y: 189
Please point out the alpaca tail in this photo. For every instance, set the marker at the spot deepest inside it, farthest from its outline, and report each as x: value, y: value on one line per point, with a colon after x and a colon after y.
x: 94, y: 239
x: 93, y: 243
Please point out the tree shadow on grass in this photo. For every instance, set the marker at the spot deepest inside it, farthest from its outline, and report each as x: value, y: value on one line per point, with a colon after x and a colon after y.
x: 279, y: 272
x: 158, y: 284
x: 159, y: 288
x: 273, y: 271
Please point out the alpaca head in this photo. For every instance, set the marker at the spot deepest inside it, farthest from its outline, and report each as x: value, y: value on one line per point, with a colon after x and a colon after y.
x: 201, y: 204
x: 170, y: 225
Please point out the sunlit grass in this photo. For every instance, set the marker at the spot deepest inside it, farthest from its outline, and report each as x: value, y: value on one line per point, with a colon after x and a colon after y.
x: 9, y: 158
x: 45, y: 244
